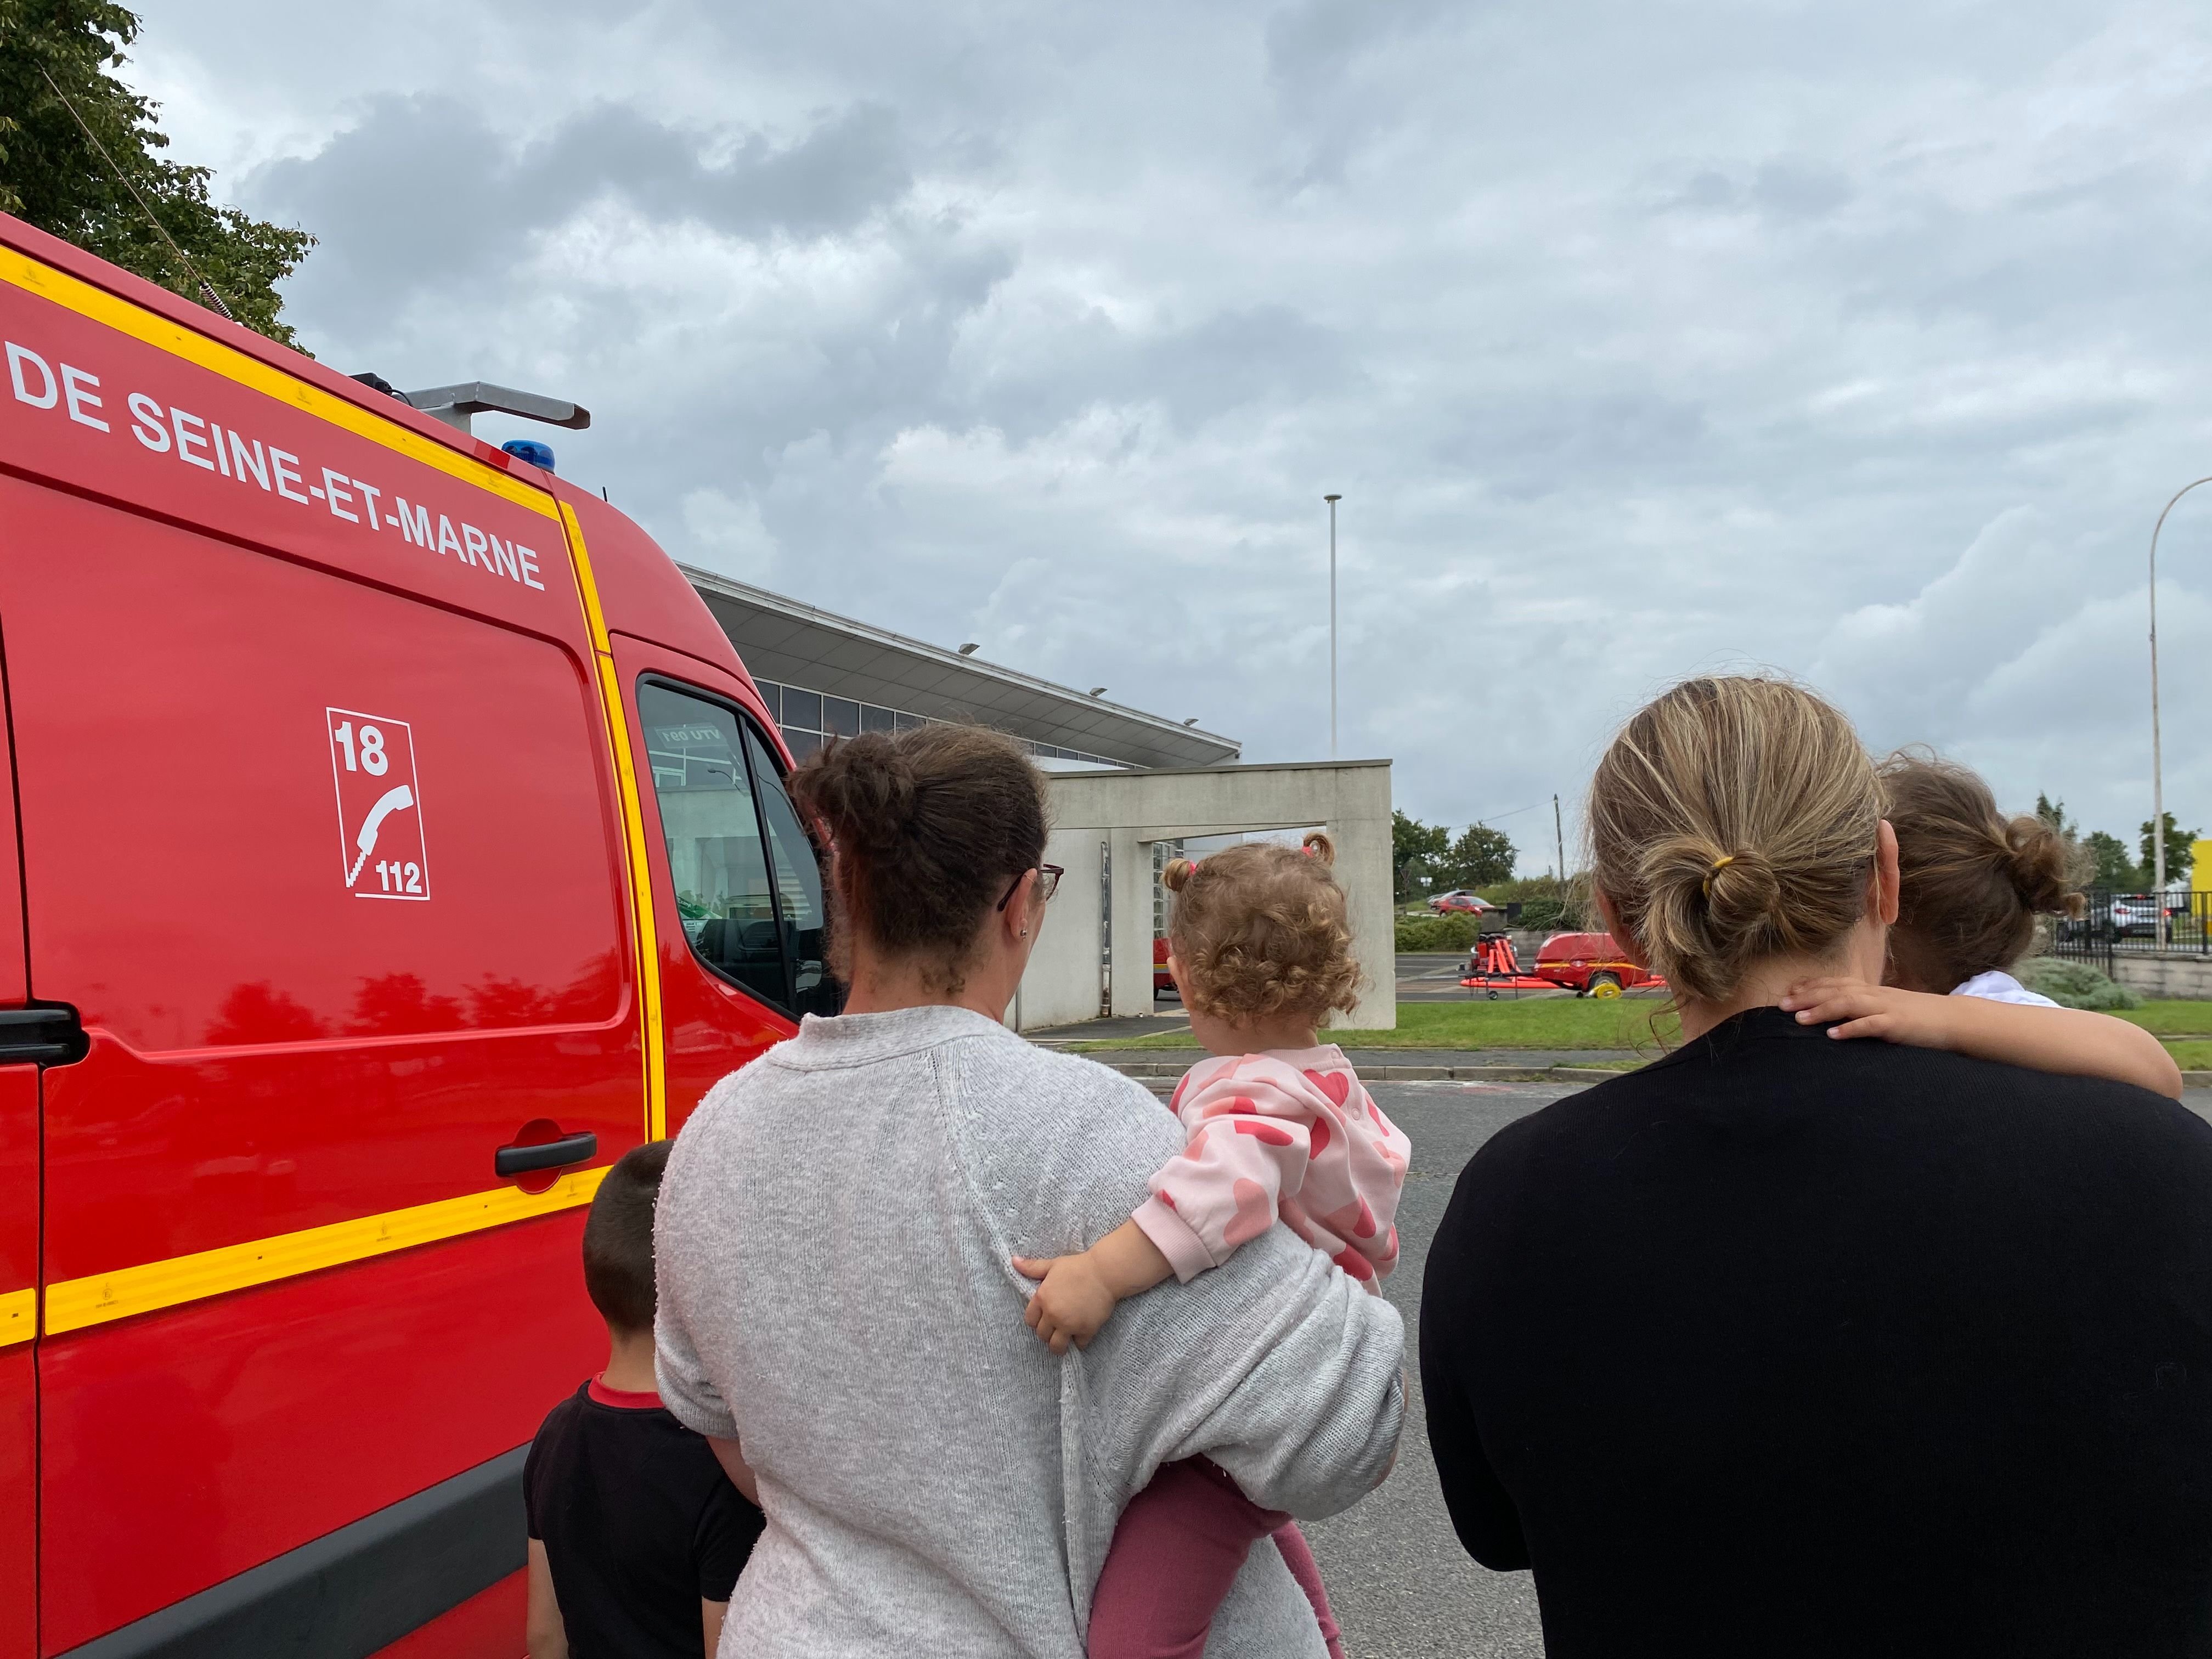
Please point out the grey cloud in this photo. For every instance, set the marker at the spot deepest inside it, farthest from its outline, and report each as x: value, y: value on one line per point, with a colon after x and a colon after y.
x: 1196, y: 372
x: 423, y: 191
x: 1640, y: 340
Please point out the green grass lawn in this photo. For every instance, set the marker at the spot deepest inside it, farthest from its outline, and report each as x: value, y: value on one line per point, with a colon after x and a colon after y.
x: 2176, y: 1019
x: 1625, y: 1023
x: 1545, y: 1022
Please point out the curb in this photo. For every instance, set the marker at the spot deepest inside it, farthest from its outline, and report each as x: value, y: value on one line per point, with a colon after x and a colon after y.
x: 2196, y: 1079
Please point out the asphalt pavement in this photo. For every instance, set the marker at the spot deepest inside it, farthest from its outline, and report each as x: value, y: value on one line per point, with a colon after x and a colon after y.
x: 1401, y: 1586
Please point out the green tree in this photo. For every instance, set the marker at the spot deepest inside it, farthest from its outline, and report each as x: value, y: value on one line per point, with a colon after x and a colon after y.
x: 2178, y: 843
x: 1479, y: 857
x: 1417, y: 853
x: 2053, y: 812
x: 54, y: 176
x: 2114, y: 869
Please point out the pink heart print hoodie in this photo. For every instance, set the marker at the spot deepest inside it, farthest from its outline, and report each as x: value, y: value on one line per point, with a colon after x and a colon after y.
x: 1290, y: 1134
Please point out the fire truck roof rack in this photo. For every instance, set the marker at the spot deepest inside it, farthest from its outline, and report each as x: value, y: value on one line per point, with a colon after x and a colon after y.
x: 453, y: 405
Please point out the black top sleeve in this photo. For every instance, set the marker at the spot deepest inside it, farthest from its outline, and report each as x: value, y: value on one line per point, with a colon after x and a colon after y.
x: 728, y: 1528
x: 1482, y: 1513
x: 532, y: 1467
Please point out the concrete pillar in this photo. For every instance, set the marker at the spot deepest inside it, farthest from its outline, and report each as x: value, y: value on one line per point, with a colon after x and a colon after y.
x: 1132, y: 923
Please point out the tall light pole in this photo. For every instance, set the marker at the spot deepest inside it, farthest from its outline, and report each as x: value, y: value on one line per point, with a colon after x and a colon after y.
x: 2157, y: 759
x: 1332, y: 501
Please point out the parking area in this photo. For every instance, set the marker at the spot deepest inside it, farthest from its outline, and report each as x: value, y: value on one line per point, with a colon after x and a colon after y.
x: 1399, y: 1581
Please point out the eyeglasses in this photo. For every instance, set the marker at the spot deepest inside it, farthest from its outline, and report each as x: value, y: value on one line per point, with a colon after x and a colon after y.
x: 1049, y: 877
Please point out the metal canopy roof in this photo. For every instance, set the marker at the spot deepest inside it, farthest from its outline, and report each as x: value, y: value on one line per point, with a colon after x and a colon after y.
x: 780, y: 639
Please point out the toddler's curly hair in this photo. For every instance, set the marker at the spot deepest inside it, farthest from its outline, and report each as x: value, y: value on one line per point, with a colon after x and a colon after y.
x: 1261, y: 930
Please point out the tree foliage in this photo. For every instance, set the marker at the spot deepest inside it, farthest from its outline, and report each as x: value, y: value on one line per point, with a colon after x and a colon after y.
x: 1479, y: 857
x: 1416, y: 854
x: 52, y: 174
x: 2114, y: 869
x: 2179, y: 844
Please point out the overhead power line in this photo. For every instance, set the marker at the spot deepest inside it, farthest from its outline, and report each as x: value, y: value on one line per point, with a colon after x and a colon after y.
x: 160, y: 229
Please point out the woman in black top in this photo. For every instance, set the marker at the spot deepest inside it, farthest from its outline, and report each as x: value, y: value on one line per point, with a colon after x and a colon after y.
x: 1783, y: 1345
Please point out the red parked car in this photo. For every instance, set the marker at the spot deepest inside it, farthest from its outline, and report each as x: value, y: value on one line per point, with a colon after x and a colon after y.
x: 389, y: 841
x: 1460, y: 902
x: 1590, y: 964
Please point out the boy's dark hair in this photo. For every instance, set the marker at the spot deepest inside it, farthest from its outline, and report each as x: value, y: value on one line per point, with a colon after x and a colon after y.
x: 618, y: 1237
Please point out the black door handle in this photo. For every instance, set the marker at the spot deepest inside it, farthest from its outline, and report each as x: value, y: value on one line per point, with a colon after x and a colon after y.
x: 51, y: 1036
x: 549, y: 1155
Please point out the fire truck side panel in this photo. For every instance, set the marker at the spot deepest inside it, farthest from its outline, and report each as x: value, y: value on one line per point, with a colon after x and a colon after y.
x: 332, y: 877
x: 19, y: 1509
x: 183, y: 1448
x: 18, y: 1420
x: 327, y: 834
x: 712, y: 1024
x: 19, y: 1267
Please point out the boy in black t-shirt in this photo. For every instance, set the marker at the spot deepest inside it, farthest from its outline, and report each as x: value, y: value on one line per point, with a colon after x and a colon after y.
x: 636, y: 1533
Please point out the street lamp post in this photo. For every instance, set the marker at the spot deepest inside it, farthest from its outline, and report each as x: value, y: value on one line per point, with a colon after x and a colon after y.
x: 2157, y: 759
x: 1332, y: 501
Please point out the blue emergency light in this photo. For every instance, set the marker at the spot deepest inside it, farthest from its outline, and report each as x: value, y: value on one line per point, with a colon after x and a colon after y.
x: 532, y: 451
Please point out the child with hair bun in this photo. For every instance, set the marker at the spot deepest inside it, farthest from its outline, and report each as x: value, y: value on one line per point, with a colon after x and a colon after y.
x: 1971, y: 883
x: 1279, y: 1129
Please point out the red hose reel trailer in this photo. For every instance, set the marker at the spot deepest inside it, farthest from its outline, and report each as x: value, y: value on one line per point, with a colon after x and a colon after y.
x: 1494, y: 966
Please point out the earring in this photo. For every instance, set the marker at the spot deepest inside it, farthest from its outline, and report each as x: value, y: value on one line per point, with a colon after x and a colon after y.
x: 1025, y: 932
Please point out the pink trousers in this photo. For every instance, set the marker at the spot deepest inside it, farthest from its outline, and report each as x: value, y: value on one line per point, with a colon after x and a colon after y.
x: 1178, y: 1545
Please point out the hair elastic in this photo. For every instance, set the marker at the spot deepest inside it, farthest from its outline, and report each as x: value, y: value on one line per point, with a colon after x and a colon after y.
x: 1723, y: 859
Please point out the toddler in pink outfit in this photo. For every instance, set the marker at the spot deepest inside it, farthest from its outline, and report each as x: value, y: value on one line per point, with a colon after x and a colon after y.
x: 1279, y: 1129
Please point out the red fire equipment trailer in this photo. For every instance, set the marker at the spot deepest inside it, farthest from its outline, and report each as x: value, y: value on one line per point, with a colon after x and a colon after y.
x: 399, y: 841
x: 1591, y: 965
x: 1495, y: 967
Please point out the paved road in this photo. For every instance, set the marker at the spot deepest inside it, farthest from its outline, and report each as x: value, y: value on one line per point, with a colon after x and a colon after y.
x: 1402, y: 1587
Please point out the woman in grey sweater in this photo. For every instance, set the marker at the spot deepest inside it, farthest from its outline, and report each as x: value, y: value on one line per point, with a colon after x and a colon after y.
x: 836, y: 1234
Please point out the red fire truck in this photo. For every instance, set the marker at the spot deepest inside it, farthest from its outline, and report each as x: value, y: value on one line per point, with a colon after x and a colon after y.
x: 392, y: 840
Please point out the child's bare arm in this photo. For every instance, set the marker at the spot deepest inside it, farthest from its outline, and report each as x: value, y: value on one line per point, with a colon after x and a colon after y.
x: 2075, y: 1042
x: 1078, y: 1292
x: 730, y: 1454
x: 711, y: 1614
x: 547, y: 1637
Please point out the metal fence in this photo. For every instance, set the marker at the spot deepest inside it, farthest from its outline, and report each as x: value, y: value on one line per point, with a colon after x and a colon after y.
x: 2131, y: 924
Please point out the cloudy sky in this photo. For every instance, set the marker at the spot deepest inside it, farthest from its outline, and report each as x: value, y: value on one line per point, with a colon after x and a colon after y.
x: 1862, y: 341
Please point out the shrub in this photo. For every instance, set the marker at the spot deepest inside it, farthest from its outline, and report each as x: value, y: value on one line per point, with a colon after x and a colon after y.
x: 2075, y: 984
x: 1545, y: 915
x: 1437, y: 933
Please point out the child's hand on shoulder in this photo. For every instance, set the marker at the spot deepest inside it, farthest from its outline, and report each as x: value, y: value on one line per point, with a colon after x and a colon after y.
x: 1914, y: 1018
x: 1071, y: 1303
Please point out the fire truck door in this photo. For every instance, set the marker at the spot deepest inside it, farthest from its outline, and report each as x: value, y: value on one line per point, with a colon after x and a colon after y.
x: 20, y: 1034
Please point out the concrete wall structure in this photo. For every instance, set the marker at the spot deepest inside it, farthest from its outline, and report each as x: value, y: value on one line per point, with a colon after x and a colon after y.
x: 1104, y: 826
x: 2169, y: 974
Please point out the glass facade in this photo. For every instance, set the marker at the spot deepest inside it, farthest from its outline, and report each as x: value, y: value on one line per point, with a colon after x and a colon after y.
x: 805, y: 718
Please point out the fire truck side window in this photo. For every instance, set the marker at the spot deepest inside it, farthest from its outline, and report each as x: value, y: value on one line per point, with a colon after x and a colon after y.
x: 695, y: 752
x: 797, y: 887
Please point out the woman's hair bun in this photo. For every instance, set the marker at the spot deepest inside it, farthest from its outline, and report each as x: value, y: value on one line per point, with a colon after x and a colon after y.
x: 2038, y: 867
x: 1178, y: 872
x: 865, y: 792
x: 1319, y: 846
x: 1741, y: 890
x: 1704, y: 903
